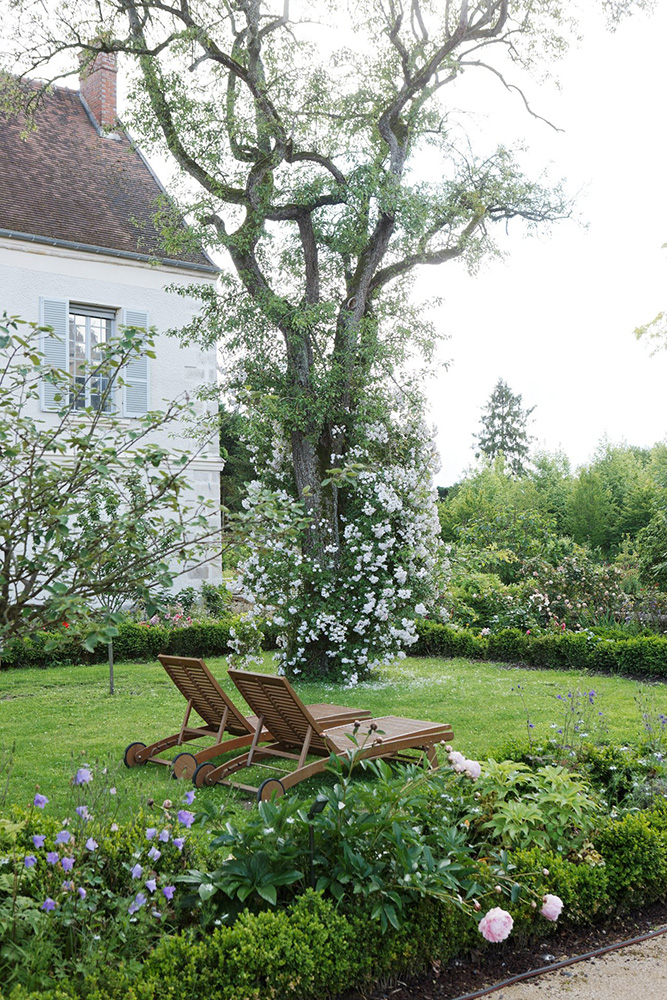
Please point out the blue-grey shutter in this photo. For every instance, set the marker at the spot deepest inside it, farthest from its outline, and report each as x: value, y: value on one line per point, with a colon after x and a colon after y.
x: 135, y: 373
x: 54, y: 348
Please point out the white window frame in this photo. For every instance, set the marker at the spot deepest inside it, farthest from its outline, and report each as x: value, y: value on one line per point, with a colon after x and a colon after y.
x: 87, y: 313
x: 55, y: 312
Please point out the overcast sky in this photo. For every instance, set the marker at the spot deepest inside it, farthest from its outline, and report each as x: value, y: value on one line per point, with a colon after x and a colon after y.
x: 555, y: 318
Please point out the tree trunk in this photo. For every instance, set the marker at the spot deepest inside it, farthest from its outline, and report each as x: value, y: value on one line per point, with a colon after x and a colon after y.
x: 110, y: 650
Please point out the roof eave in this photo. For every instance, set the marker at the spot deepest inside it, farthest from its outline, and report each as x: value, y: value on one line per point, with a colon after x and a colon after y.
x: 109, y: 252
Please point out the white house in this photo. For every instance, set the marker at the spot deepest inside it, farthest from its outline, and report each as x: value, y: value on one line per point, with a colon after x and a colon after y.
x: 80, y: 252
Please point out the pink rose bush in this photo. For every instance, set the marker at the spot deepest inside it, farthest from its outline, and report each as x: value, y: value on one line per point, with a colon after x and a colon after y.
x: 552, y: 907
x: 496, y: 925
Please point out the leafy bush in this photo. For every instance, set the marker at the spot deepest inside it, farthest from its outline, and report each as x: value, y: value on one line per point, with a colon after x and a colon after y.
x: 548, y: 807
x: 635, y: 854
x: 643, y: 656
x: 583, y: 887
x: 386, y: 843
x: 445, y: 640
x: 509, y: 645
x: 478, y: 599
x: 212, y: 600
x: 309, y: 951
x: 134, y: 642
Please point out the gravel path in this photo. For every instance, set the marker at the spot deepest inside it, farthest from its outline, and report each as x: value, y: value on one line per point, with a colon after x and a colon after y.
x: 635, y: 972
x: 638, y: 972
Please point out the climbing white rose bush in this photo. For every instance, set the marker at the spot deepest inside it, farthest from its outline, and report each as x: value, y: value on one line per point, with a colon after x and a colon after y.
x: 356, y: 597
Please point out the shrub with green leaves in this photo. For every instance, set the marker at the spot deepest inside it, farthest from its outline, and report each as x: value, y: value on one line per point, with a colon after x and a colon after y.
x: 134, y: 641
x: 582, y: 884
x: 643, y: 656
x: 548, y: 807
x: 385, y: 842
x: 635, y: 853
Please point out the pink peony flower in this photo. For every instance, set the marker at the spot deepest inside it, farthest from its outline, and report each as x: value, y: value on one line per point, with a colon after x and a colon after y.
x: 496, y: 925
x: 473, y: 768
x: 552, y: 907
x: 457, y: 760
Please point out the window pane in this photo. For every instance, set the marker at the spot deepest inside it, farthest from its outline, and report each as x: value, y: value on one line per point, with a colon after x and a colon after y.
x: 77, y: 359
x: 87, y: 333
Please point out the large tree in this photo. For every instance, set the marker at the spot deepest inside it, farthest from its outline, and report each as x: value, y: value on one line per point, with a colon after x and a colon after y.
x: 319, y: 152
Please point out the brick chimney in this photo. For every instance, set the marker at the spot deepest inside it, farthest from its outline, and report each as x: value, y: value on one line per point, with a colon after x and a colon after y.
x: 97, y: 80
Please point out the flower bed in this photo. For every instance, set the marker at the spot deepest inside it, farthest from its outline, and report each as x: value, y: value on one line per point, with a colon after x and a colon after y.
x: 371, y: 879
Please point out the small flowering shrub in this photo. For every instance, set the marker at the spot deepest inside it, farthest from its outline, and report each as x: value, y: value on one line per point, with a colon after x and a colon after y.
x: 575, y: 590
x: 75, y: 891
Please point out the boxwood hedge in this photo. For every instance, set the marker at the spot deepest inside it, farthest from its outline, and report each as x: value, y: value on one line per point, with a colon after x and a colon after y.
x: 642, y: 656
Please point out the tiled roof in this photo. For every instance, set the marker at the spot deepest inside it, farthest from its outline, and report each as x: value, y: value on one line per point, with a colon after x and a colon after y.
x: 67, y: 182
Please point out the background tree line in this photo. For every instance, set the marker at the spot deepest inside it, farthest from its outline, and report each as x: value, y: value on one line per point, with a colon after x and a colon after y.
x: 605, y: 522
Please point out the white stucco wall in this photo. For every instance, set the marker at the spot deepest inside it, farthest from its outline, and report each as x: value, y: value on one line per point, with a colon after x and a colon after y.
x: 29, y: 272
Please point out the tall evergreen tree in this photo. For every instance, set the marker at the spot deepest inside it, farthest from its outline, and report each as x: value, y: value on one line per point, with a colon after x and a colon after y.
x: 505, y: 428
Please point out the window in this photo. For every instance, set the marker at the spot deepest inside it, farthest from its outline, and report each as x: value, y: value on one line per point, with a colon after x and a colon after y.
x: 79, y: 331
x: 88, y: 330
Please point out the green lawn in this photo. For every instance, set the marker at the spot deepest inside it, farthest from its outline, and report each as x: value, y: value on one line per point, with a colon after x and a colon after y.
x: 63, y: 717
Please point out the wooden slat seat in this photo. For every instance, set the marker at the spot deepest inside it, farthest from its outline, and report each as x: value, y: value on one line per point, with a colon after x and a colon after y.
x: 295, y: 727
x: 220, y: 715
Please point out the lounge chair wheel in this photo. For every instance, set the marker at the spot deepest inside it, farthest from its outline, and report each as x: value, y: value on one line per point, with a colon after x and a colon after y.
x: 201, y: 773
x: 272, y: 786
x: 183, y: 765
x: 130, y: 757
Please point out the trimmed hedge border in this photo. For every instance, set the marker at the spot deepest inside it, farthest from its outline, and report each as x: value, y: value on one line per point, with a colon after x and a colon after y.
x: 134, y: 642
x: 644, y: 656
x: 641, y: 656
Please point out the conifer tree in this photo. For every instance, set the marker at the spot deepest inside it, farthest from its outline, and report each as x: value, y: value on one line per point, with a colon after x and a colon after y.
x: 505, y: 429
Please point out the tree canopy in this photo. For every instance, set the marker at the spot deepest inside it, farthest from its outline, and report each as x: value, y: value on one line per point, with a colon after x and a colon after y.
x: 93, y: 511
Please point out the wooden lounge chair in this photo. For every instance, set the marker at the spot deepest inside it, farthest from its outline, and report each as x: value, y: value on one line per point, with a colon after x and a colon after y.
x: 220, y: 715
x: 298, y: 734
